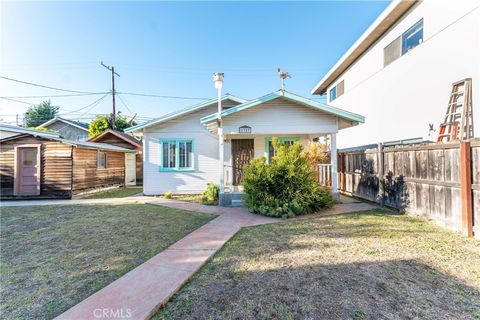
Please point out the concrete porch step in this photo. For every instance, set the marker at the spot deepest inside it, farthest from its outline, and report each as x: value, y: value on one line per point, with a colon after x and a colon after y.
x: 232, y: 199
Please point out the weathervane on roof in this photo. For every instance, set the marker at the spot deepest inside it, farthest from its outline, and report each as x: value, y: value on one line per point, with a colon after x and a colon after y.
x: 283, y: 75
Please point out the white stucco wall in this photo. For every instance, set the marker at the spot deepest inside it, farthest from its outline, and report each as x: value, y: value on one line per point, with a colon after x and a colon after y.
x: 401, y: 99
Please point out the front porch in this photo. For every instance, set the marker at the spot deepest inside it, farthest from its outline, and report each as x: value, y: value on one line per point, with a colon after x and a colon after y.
x: 240, y: 149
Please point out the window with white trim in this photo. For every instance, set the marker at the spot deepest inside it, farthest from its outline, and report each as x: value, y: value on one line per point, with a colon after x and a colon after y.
x: 176, y: 155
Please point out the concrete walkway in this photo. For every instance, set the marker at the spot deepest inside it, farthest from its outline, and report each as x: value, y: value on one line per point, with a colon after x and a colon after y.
x: 142, y: 291
x: 139, y: 293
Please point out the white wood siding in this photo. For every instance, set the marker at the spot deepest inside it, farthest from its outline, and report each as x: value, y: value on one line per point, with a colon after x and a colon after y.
x: 205, y: 158
x: 280, y: 117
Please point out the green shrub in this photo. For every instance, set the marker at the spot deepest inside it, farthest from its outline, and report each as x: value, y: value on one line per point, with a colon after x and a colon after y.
x: 168, y: 195
x: 286, y: 187
x: 212, y: 191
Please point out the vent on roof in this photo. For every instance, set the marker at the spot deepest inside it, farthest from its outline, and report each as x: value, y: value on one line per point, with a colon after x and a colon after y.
x: 392, y: 52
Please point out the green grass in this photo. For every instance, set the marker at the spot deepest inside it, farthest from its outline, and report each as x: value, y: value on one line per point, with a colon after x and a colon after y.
x: 53, y: 257
x: 370, y: 265
x: 115, y: 193
x: 196, y: 198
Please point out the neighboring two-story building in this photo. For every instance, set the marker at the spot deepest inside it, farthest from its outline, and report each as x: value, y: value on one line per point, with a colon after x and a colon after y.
x: 399, y: 73
x: 67, y: 129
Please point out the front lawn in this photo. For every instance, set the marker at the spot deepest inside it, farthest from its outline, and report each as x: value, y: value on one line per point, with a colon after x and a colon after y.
x: 196, y: 198
x: 53, y: 257
x: 369, y: 265
x: 115, y: 193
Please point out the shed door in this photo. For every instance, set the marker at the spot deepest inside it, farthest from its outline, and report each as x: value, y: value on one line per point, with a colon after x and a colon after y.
x: 130, y: 169
x: 28, y: 173
x: 242, y: 154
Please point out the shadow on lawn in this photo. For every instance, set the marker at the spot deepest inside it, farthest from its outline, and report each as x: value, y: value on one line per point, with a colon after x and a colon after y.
x: 374, y: 290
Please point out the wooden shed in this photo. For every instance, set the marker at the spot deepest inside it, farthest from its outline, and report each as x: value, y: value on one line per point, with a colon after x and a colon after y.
x: 134, y: 162
x: 40, y: 167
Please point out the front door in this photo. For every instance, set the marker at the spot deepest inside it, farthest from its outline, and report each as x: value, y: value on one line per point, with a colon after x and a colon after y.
x: 130, y: 169
x: 28, y: 173
x: 242, y: 153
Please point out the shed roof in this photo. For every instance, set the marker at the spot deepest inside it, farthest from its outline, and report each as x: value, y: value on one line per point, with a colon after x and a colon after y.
x: 20, y: 130
x: 121, y: 135
x: 350, y: 116
x: 185, y: 111
x: 78, y: 144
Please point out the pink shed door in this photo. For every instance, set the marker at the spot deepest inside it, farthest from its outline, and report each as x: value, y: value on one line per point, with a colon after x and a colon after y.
x: 28, y: 175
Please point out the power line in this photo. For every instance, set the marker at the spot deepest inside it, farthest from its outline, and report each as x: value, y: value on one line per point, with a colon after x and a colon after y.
x: 46, y: 87
x: 98, y: 100
x: 58, y: 95
x: 161, y: 96
x: 125, y: 105
x: 10, y: 99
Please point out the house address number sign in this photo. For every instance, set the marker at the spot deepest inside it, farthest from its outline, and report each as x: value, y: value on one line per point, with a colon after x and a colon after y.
x: 245, y: 129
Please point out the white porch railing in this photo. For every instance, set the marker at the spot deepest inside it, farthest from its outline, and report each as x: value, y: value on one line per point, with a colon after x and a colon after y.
x: 324, y: 175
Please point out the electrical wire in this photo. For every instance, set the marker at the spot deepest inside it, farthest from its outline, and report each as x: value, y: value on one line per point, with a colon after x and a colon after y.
x: 100, y: 99
x: 124, y: 104
x: 58, y: 95
x: 162, y: 96
x: 10, y: 99
x: 46, y: 87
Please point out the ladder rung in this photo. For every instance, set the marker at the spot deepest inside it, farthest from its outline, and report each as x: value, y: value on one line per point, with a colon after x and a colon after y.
x: 458, y: 92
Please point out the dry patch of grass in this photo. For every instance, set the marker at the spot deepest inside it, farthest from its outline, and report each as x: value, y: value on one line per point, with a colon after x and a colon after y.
x: 115, y: 193
x: 369, y: 265
x: 53, y: 257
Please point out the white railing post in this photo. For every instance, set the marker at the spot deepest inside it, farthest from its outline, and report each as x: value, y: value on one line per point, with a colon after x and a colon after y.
x: 334, y: 159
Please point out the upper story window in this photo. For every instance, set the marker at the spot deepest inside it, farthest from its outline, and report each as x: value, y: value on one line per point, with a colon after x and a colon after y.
x: 176, y: 155
x: 412, y: 37
x: 333, y: 93
x: 337, y: 91
x: 404, y: 43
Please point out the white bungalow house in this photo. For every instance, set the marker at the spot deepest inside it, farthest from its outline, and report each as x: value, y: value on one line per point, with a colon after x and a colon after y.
x: 181, y: 150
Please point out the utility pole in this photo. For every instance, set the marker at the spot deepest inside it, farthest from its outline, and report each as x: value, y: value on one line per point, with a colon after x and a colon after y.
x: 112, y: 70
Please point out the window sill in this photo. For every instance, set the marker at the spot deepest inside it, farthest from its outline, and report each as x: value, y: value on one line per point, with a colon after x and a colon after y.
x: 176, y: 170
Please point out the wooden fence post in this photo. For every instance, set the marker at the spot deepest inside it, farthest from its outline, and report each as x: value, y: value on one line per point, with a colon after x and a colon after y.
x: 466, y: 188
x: 380, y: 166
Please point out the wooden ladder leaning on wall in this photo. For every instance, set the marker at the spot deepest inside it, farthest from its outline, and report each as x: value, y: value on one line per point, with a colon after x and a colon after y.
x: 458, y: 123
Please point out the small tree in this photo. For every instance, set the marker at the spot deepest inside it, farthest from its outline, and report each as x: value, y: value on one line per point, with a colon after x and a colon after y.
x: 36, y: 115
x: 286, y: 187
x: 103, y: 122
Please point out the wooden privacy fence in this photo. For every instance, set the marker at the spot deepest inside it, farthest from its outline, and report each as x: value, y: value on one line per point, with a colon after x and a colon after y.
x: 440, y: 180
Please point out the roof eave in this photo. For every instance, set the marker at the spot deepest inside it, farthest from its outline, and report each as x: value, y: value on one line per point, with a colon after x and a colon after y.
x: 183, y: 112
x: 349, y: 116
x: 376, y: 30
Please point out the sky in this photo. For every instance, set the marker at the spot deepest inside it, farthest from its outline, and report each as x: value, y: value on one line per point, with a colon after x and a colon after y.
x: 170, y: 49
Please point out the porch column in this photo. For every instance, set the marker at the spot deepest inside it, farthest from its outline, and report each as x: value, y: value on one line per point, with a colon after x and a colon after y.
x: 333, y: 161
x: 221, y: 165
